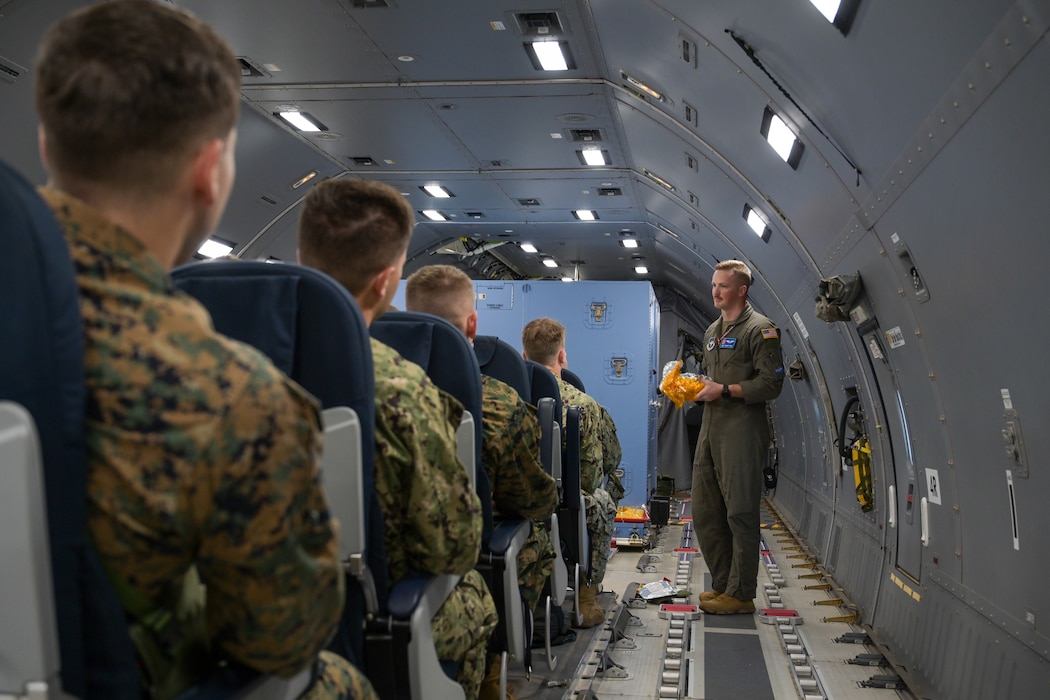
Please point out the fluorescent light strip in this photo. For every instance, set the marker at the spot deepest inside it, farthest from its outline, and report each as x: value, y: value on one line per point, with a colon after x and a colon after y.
x: 629, y: 243
x: 781, y: 138
x: 299, y: 121
x: 549, y: 262
x: 550, y: 55
x: 528, y: 247
x: 585, y: 215
x: 593, y: 156
x: 828, y: 8
x: 755, y: 222
x: 642, y: 270
x: 434, y: 215
x: 212, y: 248
x: 437, y: 191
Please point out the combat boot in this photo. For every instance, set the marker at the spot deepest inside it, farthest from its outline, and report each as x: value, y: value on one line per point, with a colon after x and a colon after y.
x: 709, y: 595
x: 593, y: 614
x: 726, y: 604
x: 490, y: 684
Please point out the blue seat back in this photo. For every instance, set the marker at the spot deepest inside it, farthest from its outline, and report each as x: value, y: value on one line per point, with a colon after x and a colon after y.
x: 42, y: 368
x: 313, y: 331
x: 498, y: 358
x: 572, y: 378
x: 445, y: 355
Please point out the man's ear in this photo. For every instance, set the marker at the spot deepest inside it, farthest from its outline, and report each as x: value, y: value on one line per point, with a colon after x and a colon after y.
x: 563, y: 359
x: 41, y: 139
x: 472, y: 326
x: 205, y: 173
x: 381, y: 280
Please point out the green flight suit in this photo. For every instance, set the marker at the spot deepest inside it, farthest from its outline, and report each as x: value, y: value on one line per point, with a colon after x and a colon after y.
x: 731, y: 452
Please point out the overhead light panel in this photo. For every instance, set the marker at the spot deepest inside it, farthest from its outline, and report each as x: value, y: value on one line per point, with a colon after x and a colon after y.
x: 757, y: 223
x: 437, y: 191
x: 585, y: 214
x: 434, y: 215
x: 781, y: 138
x: 567, y: 279
x: 302, y: 121
x: 215, y: 248
x: 629, y: 242
x: 549, y: 262
x: 659, y: 180
x: 839, y: 12
x: 641, y: 270
x: 550, y: 55
x: 635, y: 82
x: 528, y: 247
x: 593, y: 156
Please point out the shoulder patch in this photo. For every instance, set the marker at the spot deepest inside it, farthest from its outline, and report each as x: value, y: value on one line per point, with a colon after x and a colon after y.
x: 770, y: 333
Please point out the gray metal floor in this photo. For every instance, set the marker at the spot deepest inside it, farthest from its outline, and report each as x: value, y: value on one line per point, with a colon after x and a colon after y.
x: 710, y: 657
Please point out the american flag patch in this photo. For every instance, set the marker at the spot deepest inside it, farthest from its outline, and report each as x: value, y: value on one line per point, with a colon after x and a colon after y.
x: 770, y: 333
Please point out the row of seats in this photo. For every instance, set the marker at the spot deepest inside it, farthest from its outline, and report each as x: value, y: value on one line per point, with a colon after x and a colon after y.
x: 313, y: 331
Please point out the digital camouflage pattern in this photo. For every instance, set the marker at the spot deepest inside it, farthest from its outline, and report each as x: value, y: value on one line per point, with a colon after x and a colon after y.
x: 433, y: 517
x: 612, y: 453
x: 510, y: 452
x: 200, y: 452
x: 468, y: 615
x: 338, y: 679
x: 600, y: 507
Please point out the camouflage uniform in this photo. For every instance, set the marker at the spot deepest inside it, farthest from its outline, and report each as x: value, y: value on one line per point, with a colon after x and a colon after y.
x: 433, y: 517
x: 521, y: 487
x: 601, y: 509
x: 201, y: 452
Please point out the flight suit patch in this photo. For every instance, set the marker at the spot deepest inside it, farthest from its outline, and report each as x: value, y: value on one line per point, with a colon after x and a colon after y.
x: 770, y: 333
x: 727, y: 343
x: 711, y: 344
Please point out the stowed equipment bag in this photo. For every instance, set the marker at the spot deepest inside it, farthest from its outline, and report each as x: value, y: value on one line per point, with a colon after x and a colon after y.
x: 836, y: 296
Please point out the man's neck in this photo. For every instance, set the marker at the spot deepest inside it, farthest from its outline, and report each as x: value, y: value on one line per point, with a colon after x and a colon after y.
x: 730, y: 315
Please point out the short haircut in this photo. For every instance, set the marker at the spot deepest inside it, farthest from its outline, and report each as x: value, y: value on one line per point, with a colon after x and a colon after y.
x: 740, y: 271
x: 541, y: 339
x: 353, y: 230
x: 441, y: 290
x: 127, y: 90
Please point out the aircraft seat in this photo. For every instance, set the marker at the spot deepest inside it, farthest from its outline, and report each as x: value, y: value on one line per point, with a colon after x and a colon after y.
x: 444, y: 353
x: 572, y: 378
x: 312, y: 330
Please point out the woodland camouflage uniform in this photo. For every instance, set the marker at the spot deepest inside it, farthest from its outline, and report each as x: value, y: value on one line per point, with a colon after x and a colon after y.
x: 202, y: 453
x: 433, y: 517
x: 510, y: 452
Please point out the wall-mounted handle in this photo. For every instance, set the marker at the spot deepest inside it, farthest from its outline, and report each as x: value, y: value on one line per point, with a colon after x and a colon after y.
x: 924, y: 518
x: 892, y: 509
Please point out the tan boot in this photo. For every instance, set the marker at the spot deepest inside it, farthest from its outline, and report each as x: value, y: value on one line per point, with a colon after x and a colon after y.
x: 726, y: 604
x: 490, y: 684
x: 593, y: 614
x: 709, y: 595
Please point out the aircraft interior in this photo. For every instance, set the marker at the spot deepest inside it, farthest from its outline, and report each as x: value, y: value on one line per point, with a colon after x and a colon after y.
x: 879, y: 166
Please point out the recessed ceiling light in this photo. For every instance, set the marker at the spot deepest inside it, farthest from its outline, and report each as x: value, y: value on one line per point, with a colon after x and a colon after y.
x: 593, y: 155
x: 437, y: 191
x: 629, y: 242
x: 839, y: 12
x: 528, y: 247
x: 302, y: 121
x: 757, y: 223
x: 781, y: 138
x: 215, y: 248
x: 434, y: 215
x: 549, y: 262
x: 585, y: 215
x: 641, y: 270
x: 550, y: 54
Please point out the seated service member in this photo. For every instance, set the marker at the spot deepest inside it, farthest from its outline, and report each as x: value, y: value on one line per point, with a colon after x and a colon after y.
x: 510, y: 447
x: 203, y: 458
x: 357, y: 232
x: 543, y: 340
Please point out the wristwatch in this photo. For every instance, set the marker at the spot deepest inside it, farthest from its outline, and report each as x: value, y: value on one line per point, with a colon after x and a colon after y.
x: 726, y: 394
